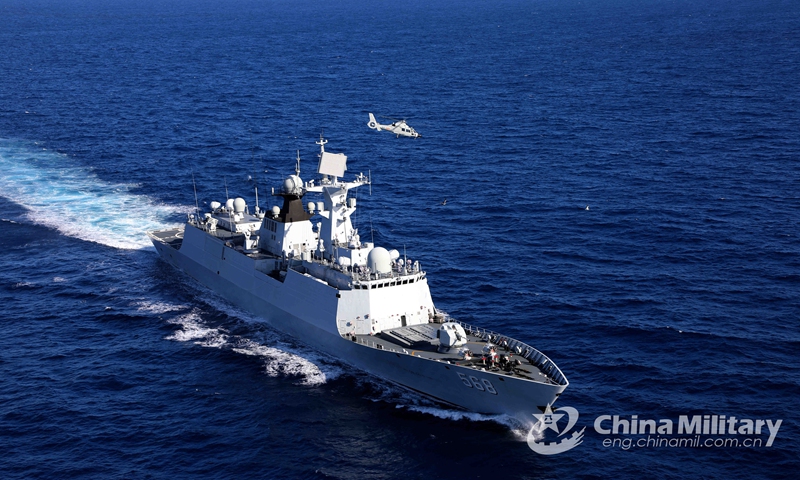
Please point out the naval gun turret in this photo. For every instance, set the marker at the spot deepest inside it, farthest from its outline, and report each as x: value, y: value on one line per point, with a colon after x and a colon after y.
x: 451, y: 336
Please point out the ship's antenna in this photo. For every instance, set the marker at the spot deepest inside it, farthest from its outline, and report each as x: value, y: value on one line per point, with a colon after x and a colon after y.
x: 266, y: 180
x: 255, y: 175
x: 405, y: 259
x: 256, y: 187
x: 297, y: 167
x: 370, y: 182
x: 230, y: 220
x: 371, y: 230
x: 355, y: 220
x: 321, y: 144
x: 196, y: 204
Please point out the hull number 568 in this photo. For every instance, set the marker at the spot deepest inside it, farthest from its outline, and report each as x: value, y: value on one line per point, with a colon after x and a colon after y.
x: 482, y: 384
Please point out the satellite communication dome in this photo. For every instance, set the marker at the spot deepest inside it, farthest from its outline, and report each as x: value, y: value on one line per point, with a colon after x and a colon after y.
x: 238, y: 205
x: 215, y: 205
x: 379, y: 260
x: 394, y: 254
x: 293, y: 185
x: 229, y: 205
x: 276, y: 211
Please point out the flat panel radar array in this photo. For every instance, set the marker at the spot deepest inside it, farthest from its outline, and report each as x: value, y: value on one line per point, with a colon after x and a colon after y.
x: 333, y: 164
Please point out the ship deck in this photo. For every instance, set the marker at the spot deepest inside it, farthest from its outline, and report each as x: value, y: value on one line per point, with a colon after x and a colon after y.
x: 513, y: 358
x: 172, y: 237
x: 421, y: 341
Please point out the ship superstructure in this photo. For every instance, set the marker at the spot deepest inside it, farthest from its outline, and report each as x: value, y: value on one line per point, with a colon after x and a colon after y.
x: 304, y: 269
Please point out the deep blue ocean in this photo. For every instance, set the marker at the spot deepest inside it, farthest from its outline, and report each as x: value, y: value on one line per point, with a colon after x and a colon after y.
x: 676, y: 292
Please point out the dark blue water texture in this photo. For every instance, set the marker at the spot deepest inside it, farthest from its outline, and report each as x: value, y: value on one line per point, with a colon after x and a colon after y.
x: 622, y: 180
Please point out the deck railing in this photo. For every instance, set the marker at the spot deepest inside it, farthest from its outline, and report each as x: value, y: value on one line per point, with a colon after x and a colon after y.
x: 539, y: 359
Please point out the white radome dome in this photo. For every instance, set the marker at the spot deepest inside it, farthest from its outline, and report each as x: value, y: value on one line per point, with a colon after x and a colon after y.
x: 379, y: 260
x: 293, y: 185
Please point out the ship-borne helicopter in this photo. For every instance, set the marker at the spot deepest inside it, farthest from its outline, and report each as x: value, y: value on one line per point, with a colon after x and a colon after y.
x: 398, y: 127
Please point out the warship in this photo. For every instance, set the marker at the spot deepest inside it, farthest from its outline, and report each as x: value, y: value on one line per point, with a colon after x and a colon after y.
x: 304, y: 269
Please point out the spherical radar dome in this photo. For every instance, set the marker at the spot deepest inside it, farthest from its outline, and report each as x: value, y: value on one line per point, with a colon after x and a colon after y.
x: 293, y: 185
x: 379, y: 260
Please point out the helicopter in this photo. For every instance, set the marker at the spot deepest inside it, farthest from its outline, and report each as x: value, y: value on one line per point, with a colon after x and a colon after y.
x: 398, y: 127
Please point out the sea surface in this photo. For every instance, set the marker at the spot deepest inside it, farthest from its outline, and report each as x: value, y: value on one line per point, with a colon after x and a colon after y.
x: 623, y: 192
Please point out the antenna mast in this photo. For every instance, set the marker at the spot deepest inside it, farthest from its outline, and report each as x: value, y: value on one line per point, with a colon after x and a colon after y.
x: 196, y: 204
x: 255, y: 175
x: 230, y: 220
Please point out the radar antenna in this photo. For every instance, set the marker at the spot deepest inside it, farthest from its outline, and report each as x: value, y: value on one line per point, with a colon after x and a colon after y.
x: 321, y: 144
x: 227, y: 197
x: 196, y: 204
x: 255, y: 175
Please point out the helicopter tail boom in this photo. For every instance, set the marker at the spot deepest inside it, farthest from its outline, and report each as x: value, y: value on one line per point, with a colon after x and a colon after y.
x: 373, y: 124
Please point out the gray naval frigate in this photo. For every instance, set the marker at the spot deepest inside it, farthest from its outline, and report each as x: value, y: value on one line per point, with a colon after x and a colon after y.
x: 305, y: 270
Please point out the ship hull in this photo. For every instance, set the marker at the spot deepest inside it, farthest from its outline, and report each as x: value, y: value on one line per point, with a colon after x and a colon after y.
x: 305, y: 308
